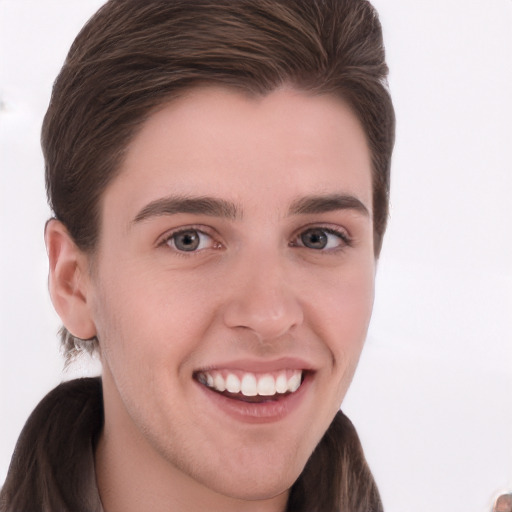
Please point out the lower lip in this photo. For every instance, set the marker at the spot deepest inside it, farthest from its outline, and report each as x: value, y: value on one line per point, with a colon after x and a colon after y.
x: 266, y: 412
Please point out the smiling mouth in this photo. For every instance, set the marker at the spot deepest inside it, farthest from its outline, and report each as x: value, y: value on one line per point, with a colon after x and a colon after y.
x: 252, y: 387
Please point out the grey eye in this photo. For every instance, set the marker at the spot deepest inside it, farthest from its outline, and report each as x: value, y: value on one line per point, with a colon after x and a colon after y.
x: 314, y: 238
x: 190, y: 240
x: 322, y: 238
x: 187, y: 240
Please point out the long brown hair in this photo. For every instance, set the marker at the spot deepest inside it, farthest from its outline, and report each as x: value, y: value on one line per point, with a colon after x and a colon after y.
x: 134, y: 56
x: 336, y: 477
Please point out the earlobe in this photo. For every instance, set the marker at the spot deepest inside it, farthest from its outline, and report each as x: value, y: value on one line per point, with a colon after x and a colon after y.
x: 69, y: 280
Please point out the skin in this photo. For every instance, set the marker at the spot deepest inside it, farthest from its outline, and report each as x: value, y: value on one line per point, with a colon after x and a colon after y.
x: 252, y: 290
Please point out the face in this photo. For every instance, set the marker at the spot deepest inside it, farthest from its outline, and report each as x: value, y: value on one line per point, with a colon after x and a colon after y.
x: 233, y: 286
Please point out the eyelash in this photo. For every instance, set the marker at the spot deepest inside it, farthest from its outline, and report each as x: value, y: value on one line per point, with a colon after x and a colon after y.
x: 168, y: 238
x: 344, y: 238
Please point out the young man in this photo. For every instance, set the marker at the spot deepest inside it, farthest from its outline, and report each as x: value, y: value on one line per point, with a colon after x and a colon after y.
x: 219, y: 174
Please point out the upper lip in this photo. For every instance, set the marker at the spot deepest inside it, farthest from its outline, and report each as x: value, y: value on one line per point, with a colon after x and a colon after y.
x: 261, y: 365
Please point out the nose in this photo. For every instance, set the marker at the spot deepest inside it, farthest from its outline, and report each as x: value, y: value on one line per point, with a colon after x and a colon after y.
x: 262, y: 300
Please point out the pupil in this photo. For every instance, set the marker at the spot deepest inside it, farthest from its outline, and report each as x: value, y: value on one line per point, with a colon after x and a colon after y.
x: 314, y: 239
x: 187, y: 241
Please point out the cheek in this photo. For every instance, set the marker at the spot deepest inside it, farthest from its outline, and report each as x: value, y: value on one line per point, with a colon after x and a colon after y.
x: 145, y: 318
x: 342, y: 322
x: 346, y: 307
x: 356, y: 303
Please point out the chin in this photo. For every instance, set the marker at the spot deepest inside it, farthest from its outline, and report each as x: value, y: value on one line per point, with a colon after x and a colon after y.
x: 254, y: 481
x: 255, y: 488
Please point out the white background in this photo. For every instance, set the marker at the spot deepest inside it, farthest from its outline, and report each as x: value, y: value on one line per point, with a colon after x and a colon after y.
x: 432, y: 399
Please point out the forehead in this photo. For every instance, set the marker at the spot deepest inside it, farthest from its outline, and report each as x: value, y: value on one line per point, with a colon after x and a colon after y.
x: 221, y: 142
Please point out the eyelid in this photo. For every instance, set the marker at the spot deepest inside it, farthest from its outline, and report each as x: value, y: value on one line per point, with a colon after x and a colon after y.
x: 344, y: 236
x: 204, y: 230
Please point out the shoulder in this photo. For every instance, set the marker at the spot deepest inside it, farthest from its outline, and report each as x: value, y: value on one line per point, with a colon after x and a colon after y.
x: 52, y: 467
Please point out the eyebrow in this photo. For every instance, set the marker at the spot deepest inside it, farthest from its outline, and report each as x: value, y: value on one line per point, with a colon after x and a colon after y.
x: 328, y: 203
x: 214, y: 207
x: 172, y: 205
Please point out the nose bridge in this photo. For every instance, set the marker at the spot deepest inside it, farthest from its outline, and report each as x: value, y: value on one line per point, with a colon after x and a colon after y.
x: 262, y: 298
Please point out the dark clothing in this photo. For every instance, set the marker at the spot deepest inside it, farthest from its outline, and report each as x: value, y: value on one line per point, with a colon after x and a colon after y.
x: 52, y: 468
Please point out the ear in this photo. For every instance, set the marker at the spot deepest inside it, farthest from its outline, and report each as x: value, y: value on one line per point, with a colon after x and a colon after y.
x: 69, y: 281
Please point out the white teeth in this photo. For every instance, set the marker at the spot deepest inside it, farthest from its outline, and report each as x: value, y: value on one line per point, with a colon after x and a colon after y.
x: 285, y: 381
x: 249, y: 386
x: 218, y: 382
x: 294, y: 382
x: 282, y: 383
x: 266, y: 386
x: 233, y: 383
